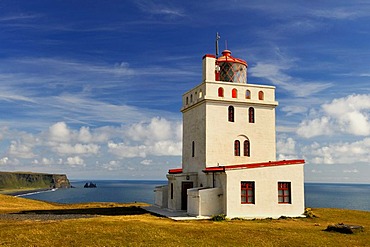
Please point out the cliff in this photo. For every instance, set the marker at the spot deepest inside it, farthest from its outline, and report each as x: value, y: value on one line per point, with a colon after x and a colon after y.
x: 24, y: 180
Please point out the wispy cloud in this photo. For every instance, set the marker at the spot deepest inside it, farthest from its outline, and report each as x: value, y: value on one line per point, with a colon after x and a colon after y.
x: 275, y: 73
x: 160, y: 8
x: 18, y: 17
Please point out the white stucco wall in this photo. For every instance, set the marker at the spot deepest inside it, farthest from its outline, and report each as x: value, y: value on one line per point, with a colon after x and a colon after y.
x: 205, y: 201
x: 266, y: 192
x: 205, y: 121
x: 161, y: 196
x: 194, y: 123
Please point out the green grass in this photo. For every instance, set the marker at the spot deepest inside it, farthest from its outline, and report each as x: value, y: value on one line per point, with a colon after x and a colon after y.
x: 23, y: 180
x: 127, y: 225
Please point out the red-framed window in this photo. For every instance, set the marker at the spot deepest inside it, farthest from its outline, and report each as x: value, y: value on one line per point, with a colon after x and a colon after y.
x: 284, y: 193
x: 251, y: 114
x: 247, y: 148
x: 261, y: 95
x: 237, y: 148
x: 220, y: 92
x: 234, y: 93
x: 247, y: 192
x: 231, y: 113
x: 247, y: 94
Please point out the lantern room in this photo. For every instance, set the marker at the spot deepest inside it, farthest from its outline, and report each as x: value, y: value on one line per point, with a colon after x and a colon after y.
x: 231, y: 69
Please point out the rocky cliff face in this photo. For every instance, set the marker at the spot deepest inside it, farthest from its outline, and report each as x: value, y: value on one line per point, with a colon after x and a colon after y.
x: 20, y: 180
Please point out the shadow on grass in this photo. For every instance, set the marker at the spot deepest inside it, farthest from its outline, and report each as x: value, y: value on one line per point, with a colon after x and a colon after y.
x: 133, y: 210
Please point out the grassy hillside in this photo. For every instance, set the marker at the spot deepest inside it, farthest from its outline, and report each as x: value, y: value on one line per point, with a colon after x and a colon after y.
x: 28, y: 180
x: 124, y: 225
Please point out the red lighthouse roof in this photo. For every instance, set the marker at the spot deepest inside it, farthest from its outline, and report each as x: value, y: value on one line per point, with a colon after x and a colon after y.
x: 226, y: 57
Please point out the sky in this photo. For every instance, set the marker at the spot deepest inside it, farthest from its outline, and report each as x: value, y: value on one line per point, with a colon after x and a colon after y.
x: 93, y: 88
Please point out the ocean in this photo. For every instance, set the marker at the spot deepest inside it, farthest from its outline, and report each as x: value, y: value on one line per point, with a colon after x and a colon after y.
x: 317, y: 195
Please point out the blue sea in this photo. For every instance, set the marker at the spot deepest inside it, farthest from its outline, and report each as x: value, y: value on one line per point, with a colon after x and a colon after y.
x: 317, y: 195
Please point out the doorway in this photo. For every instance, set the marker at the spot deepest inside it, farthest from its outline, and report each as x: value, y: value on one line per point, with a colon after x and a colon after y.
x: 184, y: 195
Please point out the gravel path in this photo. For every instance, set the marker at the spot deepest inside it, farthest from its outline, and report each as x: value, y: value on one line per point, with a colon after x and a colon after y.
x: 43, y: 217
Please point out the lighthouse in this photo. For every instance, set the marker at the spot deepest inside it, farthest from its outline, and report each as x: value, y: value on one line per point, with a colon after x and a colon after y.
x: 229, y: 161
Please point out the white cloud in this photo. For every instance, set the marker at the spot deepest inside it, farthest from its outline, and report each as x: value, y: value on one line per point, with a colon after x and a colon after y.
x: 339, y: 153
x: 315, y: 127
x: 286, y: 149
x: 146, y: 162
x: 84, y: 135
x: 111, y: 165
x: 158, y: 129
x: 59, y: 132
x: 4, y: 161
x: 64, y: 148
x: 159, y: 137
x: 75, y: 161
x: 123, y: 150
x: 351, y: 171
x: 349, y: 115
x: 286, y: 146
x: 20, y: 150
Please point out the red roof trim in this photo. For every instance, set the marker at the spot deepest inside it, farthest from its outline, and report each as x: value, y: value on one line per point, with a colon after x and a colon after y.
x: 175, y: 171
x: 254, y: 165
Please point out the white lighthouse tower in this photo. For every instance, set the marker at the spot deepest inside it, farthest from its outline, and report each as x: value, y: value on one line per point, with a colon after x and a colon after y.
x: 229, y: 150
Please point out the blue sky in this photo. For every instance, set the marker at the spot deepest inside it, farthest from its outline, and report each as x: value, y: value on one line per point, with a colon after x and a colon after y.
x: 93, y: 88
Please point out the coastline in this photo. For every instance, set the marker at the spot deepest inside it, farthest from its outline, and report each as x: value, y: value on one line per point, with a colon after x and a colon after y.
x: 21, y: 192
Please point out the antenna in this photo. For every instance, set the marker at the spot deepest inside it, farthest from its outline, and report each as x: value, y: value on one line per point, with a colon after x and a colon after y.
x: 217, y: 38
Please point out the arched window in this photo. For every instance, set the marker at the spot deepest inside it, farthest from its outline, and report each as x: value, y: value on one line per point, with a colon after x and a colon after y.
x: 247, y: 94
x: 200, y: 94
x: 220, y: 92
x: 187, y: 100
x: 231, y: 114
x: 191, y: 98
x: 234, y: 93
x: 261, y: 95
x: 251, y: 114
x: 247, y: 150
x: 237, y: 148
x: 192, y: 149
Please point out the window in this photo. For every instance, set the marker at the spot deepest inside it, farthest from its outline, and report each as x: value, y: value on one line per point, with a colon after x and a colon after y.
x: 261, y: 95
x: 187, y: 100
x: 247, y: 192
x: 220, y: 92
x: 251, y: 114
x: 247, y: 148
x: 191, y: 98
x: 234, y: 93
x: 171, y: 190
x: 237, y: 148
x: 231, y: 114
x: 200, y: 94
x: 247, y: 94
x: 284, y: 193
x: 192, y: 149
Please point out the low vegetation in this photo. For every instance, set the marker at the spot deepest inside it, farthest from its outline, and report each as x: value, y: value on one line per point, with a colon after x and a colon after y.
x: 114, y: 224
x: 11, y: 182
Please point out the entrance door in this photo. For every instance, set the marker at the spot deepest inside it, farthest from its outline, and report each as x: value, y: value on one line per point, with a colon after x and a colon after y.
x: 184, y: 195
